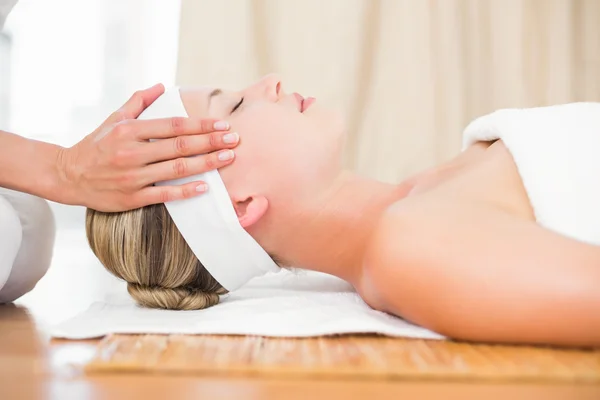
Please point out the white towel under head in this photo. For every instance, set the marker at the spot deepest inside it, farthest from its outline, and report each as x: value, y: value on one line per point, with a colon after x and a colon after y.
x: 286, y: 304
x: 557, y: 152
x: 209, y: 223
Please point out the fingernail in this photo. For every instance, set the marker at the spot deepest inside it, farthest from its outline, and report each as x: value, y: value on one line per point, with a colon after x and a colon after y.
x: 202, y: 188
x: 225, y: 155
x: 231, y: 138
x: 221, y: 125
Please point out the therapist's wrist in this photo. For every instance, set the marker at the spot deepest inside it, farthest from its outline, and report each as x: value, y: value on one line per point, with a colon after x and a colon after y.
x: 53, y: 176
x: 46, y: 175
x: 32, y: 166
x: 62, y: 187
x: 52, y: 186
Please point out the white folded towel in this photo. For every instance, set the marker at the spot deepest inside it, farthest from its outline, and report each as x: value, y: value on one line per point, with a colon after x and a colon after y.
x: 557, y: 152
x: 285, y: 304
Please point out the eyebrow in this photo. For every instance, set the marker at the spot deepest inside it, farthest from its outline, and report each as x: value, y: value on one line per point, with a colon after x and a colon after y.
x: 212, y: 94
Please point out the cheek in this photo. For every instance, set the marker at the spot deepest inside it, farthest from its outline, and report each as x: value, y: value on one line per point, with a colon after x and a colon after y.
x: 328, y: 133
x: 272, y: 134
x: 278, y: 147
x: 308, y: 147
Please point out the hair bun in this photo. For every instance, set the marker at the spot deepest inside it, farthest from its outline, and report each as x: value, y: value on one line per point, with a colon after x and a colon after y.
x: 180, y: 298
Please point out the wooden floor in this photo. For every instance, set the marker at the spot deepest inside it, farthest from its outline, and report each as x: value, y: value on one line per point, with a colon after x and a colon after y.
x: 349, y: 357
x: 33, y: 367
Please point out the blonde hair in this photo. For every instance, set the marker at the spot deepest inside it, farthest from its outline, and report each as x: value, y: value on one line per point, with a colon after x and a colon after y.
x: 144, y: 248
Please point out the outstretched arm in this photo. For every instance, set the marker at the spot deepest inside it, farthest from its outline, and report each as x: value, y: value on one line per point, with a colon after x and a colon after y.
x: 114, y: 168
x: 483, y: 275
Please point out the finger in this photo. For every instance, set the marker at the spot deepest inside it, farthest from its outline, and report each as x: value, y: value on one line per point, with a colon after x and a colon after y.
x: 137, y: 103
x: 184, y: 167
x: 164, y: 128
x: 165, y: 194
x: 186, y: 146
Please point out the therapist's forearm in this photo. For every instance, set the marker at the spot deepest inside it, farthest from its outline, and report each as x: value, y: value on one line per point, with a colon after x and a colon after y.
x: 30, y: 166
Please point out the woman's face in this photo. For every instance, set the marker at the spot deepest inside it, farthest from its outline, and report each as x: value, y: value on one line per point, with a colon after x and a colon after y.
x: 289, y: 146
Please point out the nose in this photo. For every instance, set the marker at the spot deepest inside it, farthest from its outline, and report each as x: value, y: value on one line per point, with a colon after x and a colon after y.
x: 269, y: 86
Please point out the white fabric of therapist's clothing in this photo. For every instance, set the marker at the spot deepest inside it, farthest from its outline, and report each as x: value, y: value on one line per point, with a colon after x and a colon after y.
x: 557, y: 152
x: 27, y: 233
x: 5, y: 8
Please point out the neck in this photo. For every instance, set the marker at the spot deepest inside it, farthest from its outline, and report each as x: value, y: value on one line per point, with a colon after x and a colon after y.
x: 330, y: 233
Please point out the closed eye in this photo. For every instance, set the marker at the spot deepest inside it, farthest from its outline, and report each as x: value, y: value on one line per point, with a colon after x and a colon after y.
x: 237, y: 105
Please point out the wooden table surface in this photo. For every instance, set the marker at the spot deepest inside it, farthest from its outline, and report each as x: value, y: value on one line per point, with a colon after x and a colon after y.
x: 34, y: 367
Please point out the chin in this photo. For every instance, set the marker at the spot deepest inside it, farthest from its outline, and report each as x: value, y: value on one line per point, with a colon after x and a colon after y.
x: 329, y: 120
x: 336, y: 121
x: 340, y: 124
x: 340, y: 128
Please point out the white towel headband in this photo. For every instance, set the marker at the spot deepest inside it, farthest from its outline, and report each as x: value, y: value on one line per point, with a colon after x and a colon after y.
x: 208, y: 222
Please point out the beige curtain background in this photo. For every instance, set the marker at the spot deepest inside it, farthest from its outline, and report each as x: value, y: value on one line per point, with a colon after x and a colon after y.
x: 407, y: 74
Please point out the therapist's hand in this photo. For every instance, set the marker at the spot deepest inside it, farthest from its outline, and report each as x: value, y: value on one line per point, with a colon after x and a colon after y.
x: 114, y: 168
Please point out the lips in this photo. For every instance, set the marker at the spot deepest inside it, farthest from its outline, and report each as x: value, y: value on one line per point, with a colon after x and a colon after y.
x: 307, y: 103
x: 303, y: 103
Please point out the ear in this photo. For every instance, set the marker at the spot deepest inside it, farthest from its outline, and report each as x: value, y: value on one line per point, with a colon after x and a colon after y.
x: 251, y: 209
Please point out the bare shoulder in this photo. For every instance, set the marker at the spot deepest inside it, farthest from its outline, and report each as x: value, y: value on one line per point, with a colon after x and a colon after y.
x: 407, y: 226
x: 397, y: 250
x: 473, y: 272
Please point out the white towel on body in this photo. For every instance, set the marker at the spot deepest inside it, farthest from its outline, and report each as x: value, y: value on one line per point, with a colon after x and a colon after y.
x: 557, y: 152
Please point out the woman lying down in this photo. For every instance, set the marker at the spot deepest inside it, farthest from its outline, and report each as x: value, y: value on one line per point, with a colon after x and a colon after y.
x: 500, y: 244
